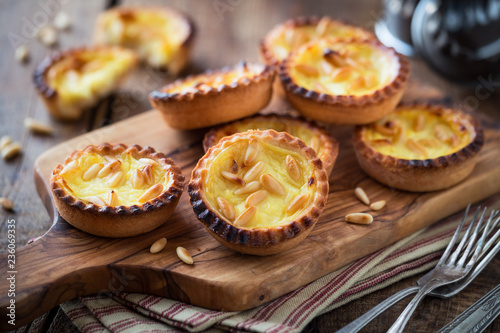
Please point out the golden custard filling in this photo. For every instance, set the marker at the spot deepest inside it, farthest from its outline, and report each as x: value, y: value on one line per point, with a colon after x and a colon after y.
x: 343, y: 68
x: 285, y: 39
x: 416, y: 134
x: 118, y: 180
x: 156, y: 35
x: 215, y: 80
x: 256, y: 184
x: 85, y: 75
x: 309, y: 137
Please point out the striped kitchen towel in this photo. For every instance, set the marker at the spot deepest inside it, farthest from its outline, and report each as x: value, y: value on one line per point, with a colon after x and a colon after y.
x: 124, y: 312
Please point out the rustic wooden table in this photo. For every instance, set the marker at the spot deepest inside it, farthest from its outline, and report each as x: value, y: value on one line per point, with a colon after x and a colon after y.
x: 228, y: 31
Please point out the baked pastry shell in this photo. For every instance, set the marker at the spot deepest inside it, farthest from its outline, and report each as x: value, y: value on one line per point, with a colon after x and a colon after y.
x: 329, y: 145
x: 266, y: 240
x: 50, y: 96
x: 420, y: 175
x: 119, y: 221
x: 203, y: 108
x: 347, y: 109
x: 183, y: 55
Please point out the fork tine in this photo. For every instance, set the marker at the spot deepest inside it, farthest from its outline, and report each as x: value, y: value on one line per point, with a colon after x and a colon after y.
x: 460, y: 246
x: 493, y: 238
x: 453, y: 240
x: 473, y: 238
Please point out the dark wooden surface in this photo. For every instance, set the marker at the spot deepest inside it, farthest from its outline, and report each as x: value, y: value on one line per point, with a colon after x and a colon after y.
x: 224, y: 37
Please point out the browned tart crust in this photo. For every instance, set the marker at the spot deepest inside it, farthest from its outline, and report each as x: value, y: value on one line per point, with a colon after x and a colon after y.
x: 290, y: 35
x: 314, y: 135
x: 162, y: 37
x: 215, y: 97
x: 344, y: 81
x: 259, y: 192
x: 115, y: 190
x: 60, y: 79
x: 419, y: 147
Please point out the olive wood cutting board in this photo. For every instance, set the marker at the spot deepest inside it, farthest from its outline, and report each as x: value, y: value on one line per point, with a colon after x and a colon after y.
x: 66, y: 263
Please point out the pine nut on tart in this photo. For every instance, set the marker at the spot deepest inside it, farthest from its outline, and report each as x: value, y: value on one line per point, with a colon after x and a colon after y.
x: 115, y: 190
x: 290, y: 35
x: 72, y: 81
x: 215, y: 97
x: 419, y: 147
x: 314, y: 135
x: 259, y: 192
x: 162, y: 37
x: 344, y: 81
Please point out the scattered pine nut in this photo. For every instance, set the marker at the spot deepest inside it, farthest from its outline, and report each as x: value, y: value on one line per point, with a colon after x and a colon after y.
x: 296, y: 203
x: 5, y: 141
x: 293, y: 168
x: 158, y: 245
x: 226, y: 208
x: 254, y: 172
x: 232, y: 178
x: 11, y: 150
x: 92, y: 171
x: 248, y: 188
x: 148, y: 161
x: 48, y: 35
x: 359, y: 218
x: 62, y: 21
x: 272, y: 184
x: 6, y: 204
x: 361, y: 195
x: 377, y: 205
x: 184, y: 255
x: 251, y: 153
x: 256, y: 198
x: 245, y: 217
x: 22, y: 54
x: 37, y: 126
x: 152, y: 193
x: 70, y: 166
x: 96, y: 200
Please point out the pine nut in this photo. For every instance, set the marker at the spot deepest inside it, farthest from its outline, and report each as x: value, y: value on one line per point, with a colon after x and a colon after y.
x: 62, y: 21
x: 326, y: 67
x: 22, y: 54
x: 115, y: 179
x: 245, y: 217
x: 232, y: 178
x: 138, y: 179
x: 234, y: 167
x: 11, y: 150
x: 112, y: 198
x: 370, y: 81
x: 341, y: 74
x: 158, y: 245
x: 5, y: 141
x: 307, y: 70
x: 361, y: 195
x: 419, y: 123
x: 314, y: 144
x: 296, y: 203
x: 383, y: 129
x: 96, y: 200
x: 293, y: 168
x: 322, y: 26
x: 47, y: 35
x: 92, y: 171
x: 251, y: 153
x: 148, y: 161
x: 440, y: 133
x: 428, y: 143
x: 334, y: 58
x: 254, y: 172
x: 319, y: 87
x: 7, y: 204
x: 380, y: 142
x: 149, y: 176
x: 256, y: 198
x: 357, y: 83
x: 248, y: 188
x: 70, y: 166
x: 152, y: 193
x: 378, y: 205
x: 108, y: 168
x: 271, y: 184
x: 38, y: 127
x: 226, y: 208
x: 359, y: 218
x: 184, y: 255
x: 110, y: 158
x: 416, y: 148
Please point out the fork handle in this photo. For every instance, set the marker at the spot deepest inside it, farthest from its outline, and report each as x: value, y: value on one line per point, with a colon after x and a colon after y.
x: 362, y: 321
x: 403, y: 318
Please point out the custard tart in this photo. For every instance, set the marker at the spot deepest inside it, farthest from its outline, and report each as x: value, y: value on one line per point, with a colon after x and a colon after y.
x: 344, y: 81
x: 72, y: 81
x: 115, y: 190
x: 290, y: 35
x: 215, y: 97
x: 259, y: 192
x: 162, y: 37
x: 315, y: 136
x: 419, y: 147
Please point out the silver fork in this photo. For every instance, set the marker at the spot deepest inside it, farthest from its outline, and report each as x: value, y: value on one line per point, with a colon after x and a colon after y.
x: 450, y: 267
x: 446, y: 291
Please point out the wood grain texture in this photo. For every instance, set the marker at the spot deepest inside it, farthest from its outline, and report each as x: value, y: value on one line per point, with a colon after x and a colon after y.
x: 66, y: 263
